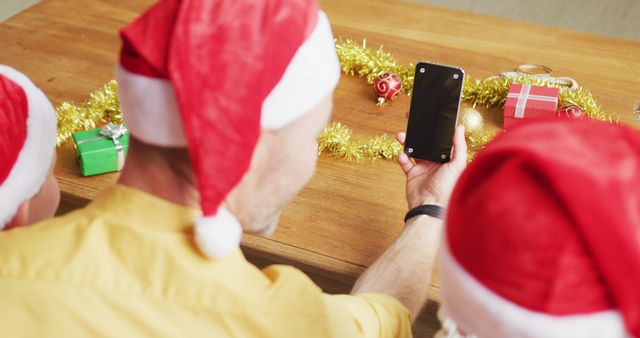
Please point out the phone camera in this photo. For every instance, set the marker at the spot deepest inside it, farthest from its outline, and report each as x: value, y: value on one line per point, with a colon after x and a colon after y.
x: 456, y: 76
x: 410, y: 150
x: 422, y: 70
x: 444, y: 157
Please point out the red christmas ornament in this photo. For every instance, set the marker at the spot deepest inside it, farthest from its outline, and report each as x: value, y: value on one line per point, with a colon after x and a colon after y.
x: 386, y: 86
x: 571, y: 111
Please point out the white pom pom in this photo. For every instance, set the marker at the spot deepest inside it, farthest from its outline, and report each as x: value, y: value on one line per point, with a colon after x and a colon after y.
x: 218, y: 236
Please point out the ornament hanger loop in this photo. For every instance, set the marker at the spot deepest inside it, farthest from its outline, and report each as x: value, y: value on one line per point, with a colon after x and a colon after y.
x: 532, y: 69
x: 540, y: 72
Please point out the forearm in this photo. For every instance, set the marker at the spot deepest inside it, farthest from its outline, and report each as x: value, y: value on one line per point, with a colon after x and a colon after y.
x: 404, y: 270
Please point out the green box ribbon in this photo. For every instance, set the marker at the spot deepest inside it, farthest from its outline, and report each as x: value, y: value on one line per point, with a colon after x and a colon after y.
x: 102, y: 150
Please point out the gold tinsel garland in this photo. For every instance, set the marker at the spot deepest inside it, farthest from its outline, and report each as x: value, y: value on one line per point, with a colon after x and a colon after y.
x: 492, y: 93
x: 337, y: 140
x: 102, y: 106
x: 355, y: 59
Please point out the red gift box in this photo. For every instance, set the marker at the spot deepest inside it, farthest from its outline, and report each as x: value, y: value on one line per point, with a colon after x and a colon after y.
x: 526, y: 101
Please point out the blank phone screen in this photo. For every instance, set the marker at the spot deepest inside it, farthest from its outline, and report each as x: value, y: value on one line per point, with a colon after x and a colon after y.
x: 434, y: 111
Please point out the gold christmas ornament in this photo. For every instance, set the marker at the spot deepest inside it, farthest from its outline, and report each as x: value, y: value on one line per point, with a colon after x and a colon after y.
x: 471, y: 119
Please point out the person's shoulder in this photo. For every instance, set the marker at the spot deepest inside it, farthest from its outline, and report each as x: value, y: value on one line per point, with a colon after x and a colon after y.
x: 289, y: 282
x: 280, y: 273
x: 45, y: 243
x: 73, y: 219
x: 46, y: 225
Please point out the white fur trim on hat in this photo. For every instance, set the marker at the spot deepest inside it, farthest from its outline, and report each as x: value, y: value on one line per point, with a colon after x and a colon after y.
x: 34, y: 160
x: 311, y: 76
x: 218, y: 236
x: 481, y: 312
x: 151, y: 110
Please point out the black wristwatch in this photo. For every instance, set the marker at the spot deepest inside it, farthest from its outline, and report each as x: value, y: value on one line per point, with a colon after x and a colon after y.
x: 432, y: 210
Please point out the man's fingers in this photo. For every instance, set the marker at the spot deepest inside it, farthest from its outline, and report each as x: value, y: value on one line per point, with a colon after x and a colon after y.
x: 401, y: 136
x: 459, y: 145
x: 405, y: 163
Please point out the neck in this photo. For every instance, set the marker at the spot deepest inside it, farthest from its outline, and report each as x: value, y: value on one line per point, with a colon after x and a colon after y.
x: 163, y: 173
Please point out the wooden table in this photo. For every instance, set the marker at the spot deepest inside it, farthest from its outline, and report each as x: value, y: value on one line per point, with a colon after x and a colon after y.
x: 350, y: 212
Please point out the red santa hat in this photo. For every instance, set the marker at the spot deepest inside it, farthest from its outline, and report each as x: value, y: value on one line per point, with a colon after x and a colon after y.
x: 27, y: 140
x: 543, y: 235
x: 210, y: 75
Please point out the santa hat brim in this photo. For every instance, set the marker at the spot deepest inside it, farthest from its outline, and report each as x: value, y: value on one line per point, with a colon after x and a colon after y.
x: 34, y: 160
x: 480, y: 311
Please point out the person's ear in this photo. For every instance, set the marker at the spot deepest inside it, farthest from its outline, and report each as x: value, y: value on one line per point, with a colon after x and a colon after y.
x: 21, y: 217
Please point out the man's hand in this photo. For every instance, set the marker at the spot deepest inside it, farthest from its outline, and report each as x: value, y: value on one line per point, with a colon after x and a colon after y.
x: 431, y: 182
x: 404, y: 270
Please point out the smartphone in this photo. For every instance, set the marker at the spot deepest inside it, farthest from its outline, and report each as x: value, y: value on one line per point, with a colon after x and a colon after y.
x: 433, y: 115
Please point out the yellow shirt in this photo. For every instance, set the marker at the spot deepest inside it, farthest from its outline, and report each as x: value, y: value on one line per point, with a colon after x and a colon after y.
x: 126, y: 266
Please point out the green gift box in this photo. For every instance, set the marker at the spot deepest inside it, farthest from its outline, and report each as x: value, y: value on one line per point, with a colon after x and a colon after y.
x: 101, y: 150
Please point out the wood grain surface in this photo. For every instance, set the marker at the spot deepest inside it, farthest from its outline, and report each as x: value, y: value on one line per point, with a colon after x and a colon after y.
x: 349, y: 213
